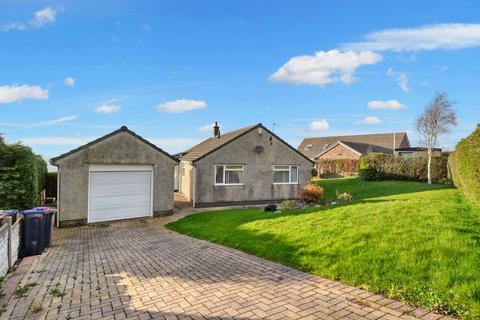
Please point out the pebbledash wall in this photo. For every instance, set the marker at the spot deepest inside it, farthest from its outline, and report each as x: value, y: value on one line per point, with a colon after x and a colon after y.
x: 9, y: 245
x: 120, y: 148
x: 258, y: 184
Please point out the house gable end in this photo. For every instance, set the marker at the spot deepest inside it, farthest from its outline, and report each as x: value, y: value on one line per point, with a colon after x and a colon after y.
x: 96, y: 144
x: 266, y: 131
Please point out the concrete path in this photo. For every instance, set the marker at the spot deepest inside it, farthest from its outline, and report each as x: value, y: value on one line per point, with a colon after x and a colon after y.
x: 140, y: 270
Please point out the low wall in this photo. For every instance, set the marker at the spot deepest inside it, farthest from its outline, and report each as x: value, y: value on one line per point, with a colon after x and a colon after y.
x: 9, y: 244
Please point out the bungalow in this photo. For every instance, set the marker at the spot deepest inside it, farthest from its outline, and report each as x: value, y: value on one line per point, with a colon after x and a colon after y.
x: 246, y: 166
x: 339, y: 155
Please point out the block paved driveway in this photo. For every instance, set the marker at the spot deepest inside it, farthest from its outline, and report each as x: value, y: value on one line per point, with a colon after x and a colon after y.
x: 140, y: 270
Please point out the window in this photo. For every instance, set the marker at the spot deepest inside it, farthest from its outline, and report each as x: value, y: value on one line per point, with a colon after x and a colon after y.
x: 405, y: 154
x: 229, y: 174
x: 308, y: 147
x: 285, y: 174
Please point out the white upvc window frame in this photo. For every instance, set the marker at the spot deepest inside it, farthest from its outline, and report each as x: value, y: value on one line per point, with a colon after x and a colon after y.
x: 223, y: 184
x: 289, y: 173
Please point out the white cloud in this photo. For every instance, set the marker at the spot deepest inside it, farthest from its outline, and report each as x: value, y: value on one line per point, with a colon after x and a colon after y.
x: 50, y: 122
x: 168, y: 144
x: 56, y: 141
x: 429, y: 37
x: 401, y: 78
x: 370, y: 120
x: 173, y: 145
x: 43, y: 17
x: 173, y: 142
x: 40, y: 18
x: 324, y: 67
x: 208, y: 127
x: 108, y: 108
x: 402, y: 81
x: 388, y: 104
x: 181, y: 105
x: 69, y: 81
x: 16, y: 93
x: 318, y: 126
x: 441, y: 68
x: 13, y: 26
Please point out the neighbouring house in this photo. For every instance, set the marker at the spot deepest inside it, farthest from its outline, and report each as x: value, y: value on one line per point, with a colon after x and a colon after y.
x: 416, y: 152
x: 245, y: 166
x: 118, y: 176
x: 340, y: 155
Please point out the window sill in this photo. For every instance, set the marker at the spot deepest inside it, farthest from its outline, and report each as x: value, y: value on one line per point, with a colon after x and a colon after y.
x: 228, y: 184
x: 285, y: 183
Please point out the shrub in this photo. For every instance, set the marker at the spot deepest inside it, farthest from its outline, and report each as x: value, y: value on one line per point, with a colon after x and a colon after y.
x: 270, y: 208
x: 314, y: 172
x: 21, y: 176
x: 289, y: 205
x: 379, y: 166
x: 344, y: 197
x: 464, y: 168
x: 311, y: 193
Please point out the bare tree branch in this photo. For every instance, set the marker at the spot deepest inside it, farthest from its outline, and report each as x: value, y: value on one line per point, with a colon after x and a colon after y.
x: 437, y: 119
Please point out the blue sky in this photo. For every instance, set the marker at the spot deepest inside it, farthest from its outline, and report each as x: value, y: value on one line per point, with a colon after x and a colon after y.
x: 71, y: 71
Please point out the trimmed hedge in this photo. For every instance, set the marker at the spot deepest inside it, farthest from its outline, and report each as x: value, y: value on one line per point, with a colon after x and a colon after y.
x: 464, y: 168
x: 22, y: 176
x: 379, y: 166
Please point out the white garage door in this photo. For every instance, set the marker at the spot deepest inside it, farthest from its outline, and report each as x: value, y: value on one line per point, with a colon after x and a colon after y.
x: 119, y: 192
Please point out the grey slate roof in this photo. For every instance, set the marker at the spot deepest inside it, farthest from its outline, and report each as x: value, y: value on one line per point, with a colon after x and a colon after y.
x: 377, y: 142
x: 365, y: 147
x: 214, y: 143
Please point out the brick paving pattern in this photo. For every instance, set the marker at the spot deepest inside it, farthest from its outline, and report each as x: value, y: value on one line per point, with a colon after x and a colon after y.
x: 140, y: 270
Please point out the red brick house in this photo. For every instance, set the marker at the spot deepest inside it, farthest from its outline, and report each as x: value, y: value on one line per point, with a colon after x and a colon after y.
x: 339, y: 155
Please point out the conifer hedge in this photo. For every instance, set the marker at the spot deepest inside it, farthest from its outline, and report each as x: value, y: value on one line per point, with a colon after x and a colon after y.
x: 22, y: 176
x: 379, y: 166
x: 464, y: 166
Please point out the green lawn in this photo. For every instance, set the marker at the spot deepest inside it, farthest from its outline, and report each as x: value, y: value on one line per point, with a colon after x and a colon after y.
x: 407, y: 240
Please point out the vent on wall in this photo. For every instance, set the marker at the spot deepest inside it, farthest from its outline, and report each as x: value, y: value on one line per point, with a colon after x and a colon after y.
x: 259, y: 149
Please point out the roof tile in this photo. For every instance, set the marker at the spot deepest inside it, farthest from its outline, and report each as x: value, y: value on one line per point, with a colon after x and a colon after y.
x: 377, y: 142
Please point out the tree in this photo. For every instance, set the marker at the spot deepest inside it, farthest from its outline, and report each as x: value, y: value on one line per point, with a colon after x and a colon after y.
x: 437, y: 119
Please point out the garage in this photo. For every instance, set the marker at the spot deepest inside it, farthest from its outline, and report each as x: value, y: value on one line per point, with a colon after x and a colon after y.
x: 115, y: 177
x: 119, y: 192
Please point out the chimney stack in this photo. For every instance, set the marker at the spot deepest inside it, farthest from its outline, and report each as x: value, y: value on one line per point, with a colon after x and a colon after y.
x: 216, y: 130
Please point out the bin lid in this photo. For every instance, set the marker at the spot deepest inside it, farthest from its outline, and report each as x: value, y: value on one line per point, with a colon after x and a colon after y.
x: 48, y: 209
x: 43, y: 210
x: 8, y: 212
